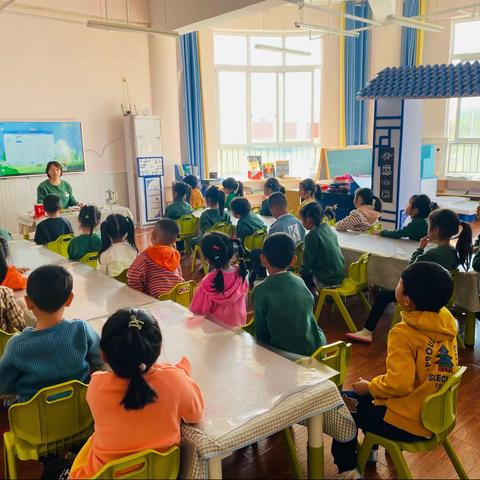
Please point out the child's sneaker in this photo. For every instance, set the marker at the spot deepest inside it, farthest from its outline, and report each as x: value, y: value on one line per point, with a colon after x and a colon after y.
x: 363, y: 336
x: 350, y: 474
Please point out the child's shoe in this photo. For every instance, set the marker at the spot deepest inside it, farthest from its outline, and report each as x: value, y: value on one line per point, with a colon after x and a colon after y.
x: 350, y: 475
x: 363, y: 336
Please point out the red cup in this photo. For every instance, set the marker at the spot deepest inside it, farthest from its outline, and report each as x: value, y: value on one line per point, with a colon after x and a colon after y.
x: 39, y: 210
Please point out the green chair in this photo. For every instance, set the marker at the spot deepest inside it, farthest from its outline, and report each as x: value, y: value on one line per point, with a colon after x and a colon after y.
x: 330, y: 221
x: 353, y: 284
x: 376, y: 227
x: 146, y: 464
x: 249, y: 328
x: 221, y: 227
x: 90, y: 259
x: 188, y: 225
x: 123, y: 277
x: 53, y: 420
x: 255, y: 240
x: 299, y: 251
x: 438, y: 416
x: 181, y: 293
x: 60, y: 245
x: 4, y: 338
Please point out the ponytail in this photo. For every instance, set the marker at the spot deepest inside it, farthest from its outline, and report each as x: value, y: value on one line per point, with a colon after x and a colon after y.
x: 282, y: 190
x: 273, y: 185
x: 234, y: 185
x: 217, y: 197
x: 377, y: 204
x: 239, y: 189
x: 131, y: 233
x: 242, y: 270
x: 89, y: 217
x: 3, y: 259
x: 464, y: 245
x: 116, y: 227
x: 368, y: 198
x: 219, y: 282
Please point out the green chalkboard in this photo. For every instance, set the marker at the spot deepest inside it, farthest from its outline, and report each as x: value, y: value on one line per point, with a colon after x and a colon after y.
x: 355, y: 161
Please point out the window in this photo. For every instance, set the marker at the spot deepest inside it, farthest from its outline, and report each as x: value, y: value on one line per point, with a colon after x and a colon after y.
x: 463, y: 124
x: 268, y: 100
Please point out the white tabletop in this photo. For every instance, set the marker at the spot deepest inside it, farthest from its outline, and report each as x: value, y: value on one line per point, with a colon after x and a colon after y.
x: 460, y: 205
x: 268, y: 221
x: 25, y: 254
x: 239, y: 379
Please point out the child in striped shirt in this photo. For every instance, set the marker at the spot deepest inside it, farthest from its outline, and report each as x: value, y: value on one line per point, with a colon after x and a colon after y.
x: 368, y: 209
x: 157, y: 269
x: 11, y: 314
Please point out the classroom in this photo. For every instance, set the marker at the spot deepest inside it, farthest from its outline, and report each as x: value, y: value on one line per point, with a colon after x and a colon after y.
x: 239, y: 239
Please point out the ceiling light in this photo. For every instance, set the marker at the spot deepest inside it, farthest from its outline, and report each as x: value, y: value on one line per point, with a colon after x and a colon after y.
x: 291, y: 51
x: 342, y: 14
x: 321, y: 28
x: 124, y: 27
x: 414, y: 23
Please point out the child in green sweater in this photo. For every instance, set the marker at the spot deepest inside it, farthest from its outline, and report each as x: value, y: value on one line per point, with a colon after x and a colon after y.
x: 233, y: 189
x: 215, y: 211
x: 282, y: 304
x: 323, y: 264
x: 88, y: 241
x: 418, y: 209
x: 180, y: 206
x: 248, y: 222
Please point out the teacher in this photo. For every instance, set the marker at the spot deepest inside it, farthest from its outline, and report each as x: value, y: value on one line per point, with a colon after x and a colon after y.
x: 54, y: 185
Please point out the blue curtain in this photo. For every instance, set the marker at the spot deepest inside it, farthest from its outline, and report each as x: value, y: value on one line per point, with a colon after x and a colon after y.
x: 357, y: 72
x: 409, y: 35
x: 193, y: 100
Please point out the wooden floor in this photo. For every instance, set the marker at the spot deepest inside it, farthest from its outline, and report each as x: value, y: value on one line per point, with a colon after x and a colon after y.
x: 268, y: 458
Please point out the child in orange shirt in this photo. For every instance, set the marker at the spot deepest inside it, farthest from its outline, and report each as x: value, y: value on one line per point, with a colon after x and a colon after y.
x: 10, y: 276
x: 196, y: 197
x: 139, y: 404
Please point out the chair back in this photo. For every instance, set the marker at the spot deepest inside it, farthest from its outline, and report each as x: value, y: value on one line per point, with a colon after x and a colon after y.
x: 256, y: 210
x: 54, y: 418
x: 90, y: 259
x: 249, y: 327
x: 439, y: 409
x: 147, y: 464
x: 4, y: 338
x: 358, y: 271
x: 222, y: 227
x: 181, y: 293
x: 188, y: 225
x: 123, y: 277
x: 299, y: 253
x: 255, y: 240
x: 330, y: 221
x: 337, y: 356
x: 60, y: 245
x: 376, y: 227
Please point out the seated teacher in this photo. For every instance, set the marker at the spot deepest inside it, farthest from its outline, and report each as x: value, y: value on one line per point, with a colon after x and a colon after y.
x: 54, y: 185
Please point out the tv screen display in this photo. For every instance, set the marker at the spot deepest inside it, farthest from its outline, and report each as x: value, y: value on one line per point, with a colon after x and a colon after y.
x: 27, y: 147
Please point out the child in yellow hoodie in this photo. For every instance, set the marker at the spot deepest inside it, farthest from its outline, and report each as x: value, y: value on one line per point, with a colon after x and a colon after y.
x: 157, y: 269
x: 421, y: 356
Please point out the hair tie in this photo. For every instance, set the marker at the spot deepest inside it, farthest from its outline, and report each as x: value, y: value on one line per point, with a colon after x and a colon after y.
x: 135, y: 323
x: 215, y: 247
x: 142, y: 367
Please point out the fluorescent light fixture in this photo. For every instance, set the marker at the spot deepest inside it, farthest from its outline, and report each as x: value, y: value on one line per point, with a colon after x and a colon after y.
x: 291, y: 51
x: 344, y: 15
x: 124, y: 27
x: 414, y: 23
x: 321, y: 28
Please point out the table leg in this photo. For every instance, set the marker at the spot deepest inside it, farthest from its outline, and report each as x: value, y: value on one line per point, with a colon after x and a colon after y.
x: 470, y: 322
x: 315, y: 447
x: 215, y: 468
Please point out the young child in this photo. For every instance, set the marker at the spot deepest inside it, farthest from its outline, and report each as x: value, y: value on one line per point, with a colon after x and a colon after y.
x: 118, y: 249
x: 215, y: 211
x: 368, y: 209
x: 196, y: 197
x: 272, y: 185
x: 443, y: 225
x: 157, y: 269
x: 233, y: 188
x: 390, y: 405
x: 88, y: 241
x: 418, y: 209
x: 248, y: 222
x: 286, y: 222
x: 282, y: 304
x: 11, y: 314
x: 180, y: 205
x: 54, y: 226
x: 307, y: 190
x: 323, y: 264
x: 139, y: 404
x: 57, y: 350
x: 222, y: 293
x: 9, y: 276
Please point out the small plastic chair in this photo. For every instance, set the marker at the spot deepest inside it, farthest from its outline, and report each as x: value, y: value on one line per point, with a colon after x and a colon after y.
x: 188, y: 225
x: 376, y: 227
x: 330, y: 221
x: 255, y: 240
x: 299, y: 251
x: 146, y: 464
x: 60, y: 245
x: 4, y: 338
x: 353, y: 284
x: 181, y: 293
x: 221, y: 227
x: 438, y: 416
x: 123, y: 277
x: 53, y: 420
x: 256, y: 210
x: 90, y: 259
x: 249, y: 328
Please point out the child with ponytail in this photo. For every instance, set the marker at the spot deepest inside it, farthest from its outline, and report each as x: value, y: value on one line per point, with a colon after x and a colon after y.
x: 368, y: 209
x: 222, y: 294
x: 272, y: 185
x: 139, y: 404
x: 88, y: 241
x: 308, y: 191
x: 233, y: 189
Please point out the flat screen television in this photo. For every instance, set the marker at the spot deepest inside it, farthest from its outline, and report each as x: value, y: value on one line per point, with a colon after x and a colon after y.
x: 27, y: 147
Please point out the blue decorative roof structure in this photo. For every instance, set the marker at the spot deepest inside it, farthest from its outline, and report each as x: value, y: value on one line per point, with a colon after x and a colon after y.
x: 425, y: 81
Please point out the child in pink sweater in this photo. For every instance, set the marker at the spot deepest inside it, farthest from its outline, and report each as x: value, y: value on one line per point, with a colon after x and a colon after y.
x: 221, y: 295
